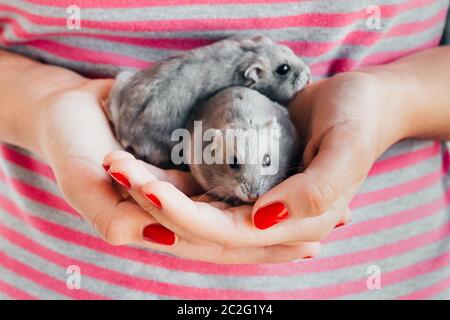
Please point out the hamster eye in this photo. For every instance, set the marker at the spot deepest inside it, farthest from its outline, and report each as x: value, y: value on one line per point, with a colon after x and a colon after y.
x: 266, y: 160
x: 283, y: 69
x: 234, y: 165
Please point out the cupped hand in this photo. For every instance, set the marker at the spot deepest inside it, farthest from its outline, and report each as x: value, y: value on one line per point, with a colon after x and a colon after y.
x: 345, y: 122
x: 74, y: 135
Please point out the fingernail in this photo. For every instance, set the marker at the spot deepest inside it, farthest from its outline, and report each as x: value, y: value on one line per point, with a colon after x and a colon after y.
x: 340, y: 224
x: 120, y: 178
x: 106, y: 167
x: 307, y: 257
x: 270, y: 215
x: 153, y: 199
x: 157, y: 233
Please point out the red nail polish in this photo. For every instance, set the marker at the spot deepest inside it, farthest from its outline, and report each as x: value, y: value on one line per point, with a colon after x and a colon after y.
x: 340, y: 224
x: 158, y: 234
x: 153, y: 199
x: 270, y: 215
x: 106, y: 167
x: 307, y: 257
x: 120, y: 178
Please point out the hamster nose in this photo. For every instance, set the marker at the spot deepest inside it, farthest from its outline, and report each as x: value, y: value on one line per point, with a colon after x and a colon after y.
x: 253, y: 196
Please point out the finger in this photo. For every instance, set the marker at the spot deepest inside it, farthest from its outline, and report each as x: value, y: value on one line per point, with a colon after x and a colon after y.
x: 338, y: 165
x: 107, y: 161
x: 345, y: 219
x: 230, y: 227
x: 122, y: 222
x: 115, y: 156
x: 133, y: 175
x: 184, y: 181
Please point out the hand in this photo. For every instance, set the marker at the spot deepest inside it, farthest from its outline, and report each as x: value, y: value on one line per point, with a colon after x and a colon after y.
x: 343, y: 121
x: 346, y: 121
x: 74, y: 134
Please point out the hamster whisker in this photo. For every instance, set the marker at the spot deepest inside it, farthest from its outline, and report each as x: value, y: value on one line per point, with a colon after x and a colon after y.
x: 209, y: 193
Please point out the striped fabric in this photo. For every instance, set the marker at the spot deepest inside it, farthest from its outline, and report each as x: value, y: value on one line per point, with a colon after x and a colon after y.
x: 400, y: 224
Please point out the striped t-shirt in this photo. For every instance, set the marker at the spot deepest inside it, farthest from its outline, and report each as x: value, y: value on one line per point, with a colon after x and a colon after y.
x: 400, y: 228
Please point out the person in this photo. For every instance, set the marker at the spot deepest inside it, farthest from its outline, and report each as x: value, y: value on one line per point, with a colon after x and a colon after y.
x: 374, y: 121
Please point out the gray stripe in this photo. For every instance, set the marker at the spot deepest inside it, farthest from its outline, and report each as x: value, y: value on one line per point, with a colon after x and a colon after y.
x: 396, y: 177
x: 333, y: 35
x: 444, y: 295
x: 24, y: 284
x: 4, y: 297
x: 60, y: 273
x: 356, y: 53
x: 407, y: 287
x: 406, y: 202
x: 232, y: 11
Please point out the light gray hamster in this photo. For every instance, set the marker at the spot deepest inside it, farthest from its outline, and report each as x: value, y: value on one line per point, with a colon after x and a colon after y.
x: 145, y: 107
x: 240, y: 112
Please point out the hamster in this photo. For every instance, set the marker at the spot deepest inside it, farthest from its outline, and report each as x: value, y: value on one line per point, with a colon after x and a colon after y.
x: 225, y: 136
x: 146, y: 106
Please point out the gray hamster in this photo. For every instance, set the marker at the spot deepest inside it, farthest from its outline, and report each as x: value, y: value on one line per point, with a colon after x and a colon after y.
x: 225, y: 136
x: 146, y: 106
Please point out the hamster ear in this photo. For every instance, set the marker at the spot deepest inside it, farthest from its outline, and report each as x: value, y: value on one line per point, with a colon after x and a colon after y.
x: 253, y: 73
x: 260, y: 38
x: 273, y: 125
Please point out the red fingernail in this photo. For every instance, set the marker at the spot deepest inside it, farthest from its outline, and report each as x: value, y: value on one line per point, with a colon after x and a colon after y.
x: 270, y: 215
x: 153, y: 199
x: 340, y: 224
x: 158, y: 234
x: 307, y: 257
x: 106, y: 167
x: 120, y: 178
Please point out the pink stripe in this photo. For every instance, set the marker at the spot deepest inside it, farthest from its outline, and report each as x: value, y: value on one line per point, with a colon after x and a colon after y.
x: 347, y: 64
x: 113, y: 277
x: 302, y: 48
x: 305, y: 20
x: 43, y: 279
x: 429, y: 292
x: 360, y: 285
x: 318, y: 69
x: 390, y: 221
x: 14, y: 293
x: 365, y: 38
x: 405, y: 159
x: 365, y: 199
x: 39, y: 195
x: 148, y: 257
x: 157, y: 287
x: 26, y: 162
x: 151, y: 3
x: 87, y: 55
x: 446, y: 161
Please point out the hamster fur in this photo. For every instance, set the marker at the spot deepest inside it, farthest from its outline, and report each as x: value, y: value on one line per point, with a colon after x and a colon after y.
x: 146, y: 106
x: 241, y: 109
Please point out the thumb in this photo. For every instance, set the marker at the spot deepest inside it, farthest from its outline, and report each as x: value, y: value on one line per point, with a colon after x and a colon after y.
x: 339, y: 164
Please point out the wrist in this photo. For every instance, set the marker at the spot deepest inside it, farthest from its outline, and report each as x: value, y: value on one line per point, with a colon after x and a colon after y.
x: 43, y: 103
x: 69, y: 116
x: 399, y: 95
